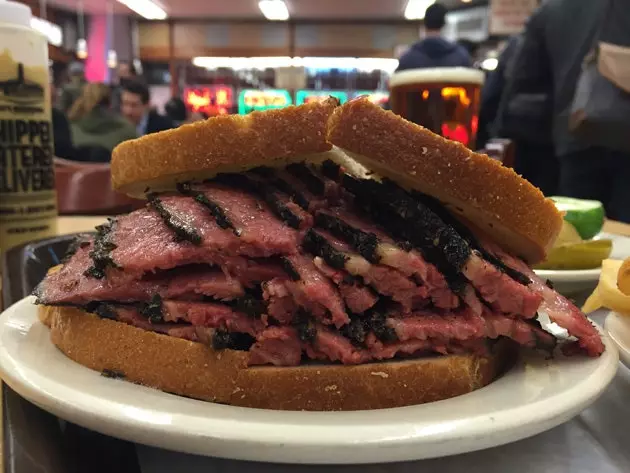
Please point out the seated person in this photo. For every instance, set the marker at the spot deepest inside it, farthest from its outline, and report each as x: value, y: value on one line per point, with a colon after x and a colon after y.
x: 136, y: 107
x: 94, y: 124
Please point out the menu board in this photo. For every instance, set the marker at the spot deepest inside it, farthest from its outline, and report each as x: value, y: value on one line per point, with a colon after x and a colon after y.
x: 255, y: 99
x: 212, y: 99
x: 306, y: 95
x: 379, y: 97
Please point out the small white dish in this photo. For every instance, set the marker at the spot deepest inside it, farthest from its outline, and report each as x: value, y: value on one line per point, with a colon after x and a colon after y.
x: 535, y: 395
x: 570, y: 282
x: 618, y: 328
x: 575, y: 281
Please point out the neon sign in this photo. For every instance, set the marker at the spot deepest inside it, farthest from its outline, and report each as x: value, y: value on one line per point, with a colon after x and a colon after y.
x: 254, y: 99
x: 213, y: 100
x: 306, y: 96
x: 378, y: 97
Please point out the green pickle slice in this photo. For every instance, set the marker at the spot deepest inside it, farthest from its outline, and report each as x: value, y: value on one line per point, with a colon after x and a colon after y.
x: 585, y: 255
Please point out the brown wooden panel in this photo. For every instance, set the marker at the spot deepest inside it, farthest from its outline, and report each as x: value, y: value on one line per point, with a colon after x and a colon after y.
x: 153, y: 35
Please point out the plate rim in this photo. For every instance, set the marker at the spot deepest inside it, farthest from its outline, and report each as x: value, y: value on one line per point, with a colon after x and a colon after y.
x: 536, y: 420
x: 610, y: 325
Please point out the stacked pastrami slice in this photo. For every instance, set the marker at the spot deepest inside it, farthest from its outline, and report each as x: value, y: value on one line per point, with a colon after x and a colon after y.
x: 310, y: 263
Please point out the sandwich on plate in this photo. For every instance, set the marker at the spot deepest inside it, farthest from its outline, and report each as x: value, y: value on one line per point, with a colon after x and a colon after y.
x: 319, y: 257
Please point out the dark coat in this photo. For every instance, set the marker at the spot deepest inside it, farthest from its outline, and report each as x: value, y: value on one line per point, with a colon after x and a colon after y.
x: 62, y: 135
x: 434, y: 52
x: 157, y: 122
x: 493, y: 89
x: 557, y: 38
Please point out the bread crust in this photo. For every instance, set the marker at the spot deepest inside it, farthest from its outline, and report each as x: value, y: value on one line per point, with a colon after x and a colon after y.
x: 192, y: 369
x: 496, y: 199
x: 229, y: 143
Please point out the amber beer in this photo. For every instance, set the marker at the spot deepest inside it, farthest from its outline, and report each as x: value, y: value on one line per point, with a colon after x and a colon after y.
x: 444, y: 100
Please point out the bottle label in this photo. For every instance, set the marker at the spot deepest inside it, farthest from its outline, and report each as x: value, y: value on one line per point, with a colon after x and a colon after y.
x: 28, y: 206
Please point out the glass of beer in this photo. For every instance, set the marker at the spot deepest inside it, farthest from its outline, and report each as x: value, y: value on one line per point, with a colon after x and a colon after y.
x: 444, y: 100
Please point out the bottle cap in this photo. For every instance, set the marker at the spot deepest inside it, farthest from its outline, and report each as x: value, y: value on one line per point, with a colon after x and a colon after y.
x: 15, y: 13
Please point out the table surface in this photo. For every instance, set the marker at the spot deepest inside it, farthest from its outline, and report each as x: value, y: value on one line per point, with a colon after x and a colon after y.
x: 75, y: 224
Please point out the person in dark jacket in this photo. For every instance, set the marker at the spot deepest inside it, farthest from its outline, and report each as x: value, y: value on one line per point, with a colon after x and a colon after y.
x: 493, y: 88
x: 62, y: 135
x: 433, y: 50
x: 553, y: 51
x: 523, y: 115
x: 136, y: 108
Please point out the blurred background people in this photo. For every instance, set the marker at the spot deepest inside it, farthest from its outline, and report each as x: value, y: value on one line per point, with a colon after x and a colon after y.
x: 61, y: 129
x: 197, y: 117
x: 176, y: 111
x: 136, y: 107
x: 125, y: 73
x: 522, y: 110
x: 71, y: 91
x: 96, y: 129
x: 433, y: 50
x: 557, y: 38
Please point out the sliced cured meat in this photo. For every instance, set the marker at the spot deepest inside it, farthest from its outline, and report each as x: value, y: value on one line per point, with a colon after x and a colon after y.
x: 376, y: 245
x: 70, y: 285
x: 385, y: 280
x: 358, y: 298
x: 187, y: 283
x: 207, y: 314
x: 465, y: 325
x: 559, y: 309
x: 280, y: 303
x: 279, y: 346
x: 145, y: 243
x: 315, y: 293
x: 333, y: 346
x: 132, y: 316
x: 503, y: 293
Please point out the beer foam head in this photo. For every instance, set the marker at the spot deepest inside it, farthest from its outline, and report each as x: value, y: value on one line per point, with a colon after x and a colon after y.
x: 445, y: 75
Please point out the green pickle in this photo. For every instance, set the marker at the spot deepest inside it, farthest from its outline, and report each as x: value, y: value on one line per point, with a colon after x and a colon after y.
x: 584, y: 255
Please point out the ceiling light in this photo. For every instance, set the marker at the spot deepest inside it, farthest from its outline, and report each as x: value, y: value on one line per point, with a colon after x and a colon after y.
x: 112, y: 59
x: 416, y: 9
x: 145, y: 8
x: 466, y: 1
x: 363, y: 64
x: 82, y: 51
x: 489, y: 64
x: 274, y: 9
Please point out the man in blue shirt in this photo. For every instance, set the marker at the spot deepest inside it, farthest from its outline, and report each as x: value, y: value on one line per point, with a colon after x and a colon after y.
x: 433, y: 50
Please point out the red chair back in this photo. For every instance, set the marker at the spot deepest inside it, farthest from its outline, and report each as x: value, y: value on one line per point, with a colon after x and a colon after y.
x: 85, y: 189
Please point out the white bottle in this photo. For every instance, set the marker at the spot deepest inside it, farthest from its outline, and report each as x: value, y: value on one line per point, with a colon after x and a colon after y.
x: 28, y: 202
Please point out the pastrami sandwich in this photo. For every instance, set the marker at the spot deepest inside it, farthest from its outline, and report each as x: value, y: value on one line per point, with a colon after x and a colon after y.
x: 269, y: 270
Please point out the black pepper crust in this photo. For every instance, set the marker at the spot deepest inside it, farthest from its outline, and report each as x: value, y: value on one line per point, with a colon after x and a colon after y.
x: 215, y: 209
x: 101, y: 252
x: 264, y: 190
x: 183, y: 230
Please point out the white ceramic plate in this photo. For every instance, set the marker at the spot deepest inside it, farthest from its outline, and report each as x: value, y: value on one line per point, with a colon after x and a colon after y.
x: 618, y: 328
x: 575, y: 281
x: 534, y: 396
